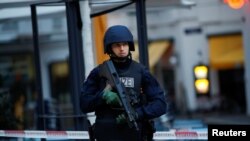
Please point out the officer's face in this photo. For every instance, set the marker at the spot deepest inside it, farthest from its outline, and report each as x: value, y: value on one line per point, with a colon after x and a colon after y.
x: 120, y: 49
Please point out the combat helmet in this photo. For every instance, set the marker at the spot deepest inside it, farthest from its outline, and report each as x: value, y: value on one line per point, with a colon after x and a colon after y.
x: 115, y: 34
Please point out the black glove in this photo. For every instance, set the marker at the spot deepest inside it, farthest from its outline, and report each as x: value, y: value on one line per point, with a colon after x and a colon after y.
x: 121, y: 119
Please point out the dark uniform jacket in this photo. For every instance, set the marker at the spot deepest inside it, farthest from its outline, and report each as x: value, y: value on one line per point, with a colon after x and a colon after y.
x: 143, y: 88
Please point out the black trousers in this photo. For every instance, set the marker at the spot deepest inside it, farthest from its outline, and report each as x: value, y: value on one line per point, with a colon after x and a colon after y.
x: 105, y: 130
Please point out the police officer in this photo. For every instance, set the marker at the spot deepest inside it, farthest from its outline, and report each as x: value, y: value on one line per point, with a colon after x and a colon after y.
x: 143, y: 89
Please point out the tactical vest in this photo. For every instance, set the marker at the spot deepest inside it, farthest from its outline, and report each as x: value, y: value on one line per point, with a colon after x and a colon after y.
x: 131, y: 78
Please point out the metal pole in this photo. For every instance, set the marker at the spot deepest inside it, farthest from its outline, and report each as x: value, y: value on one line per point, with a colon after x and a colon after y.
x: 40, y: 105
x: 246, y: 35
x: 142, y: 32
x: 74, y: 26
x: 88, y: 52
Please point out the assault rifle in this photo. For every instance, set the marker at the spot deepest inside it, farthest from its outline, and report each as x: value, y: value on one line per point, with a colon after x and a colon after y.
x: 109, y: 72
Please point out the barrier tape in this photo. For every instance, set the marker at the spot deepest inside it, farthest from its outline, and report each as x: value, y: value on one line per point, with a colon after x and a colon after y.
x: 159, y: 135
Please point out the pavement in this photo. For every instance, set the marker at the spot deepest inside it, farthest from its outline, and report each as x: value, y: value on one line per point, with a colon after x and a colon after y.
x: 235, y: 119
x: 220, y: 118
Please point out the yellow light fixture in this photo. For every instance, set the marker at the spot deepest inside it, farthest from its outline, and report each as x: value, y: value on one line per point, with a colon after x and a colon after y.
x: 202, y: 86
x: 201, y: 81
x: 201, y: 71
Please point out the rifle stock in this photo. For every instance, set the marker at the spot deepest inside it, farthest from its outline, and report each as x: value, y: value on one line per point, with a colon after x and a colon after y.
x: 108, y: 71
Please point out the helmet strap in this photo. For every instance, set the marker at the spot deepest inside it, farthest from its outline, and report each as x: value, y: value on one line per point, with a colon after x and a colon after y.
x: 120, y: 59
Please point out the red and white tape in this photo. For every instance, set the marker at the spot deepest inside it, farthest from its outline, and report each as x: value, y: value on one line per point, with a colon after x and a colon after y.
x: 160, y: 135
x: 45, y: 134
x: 168, y: 135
